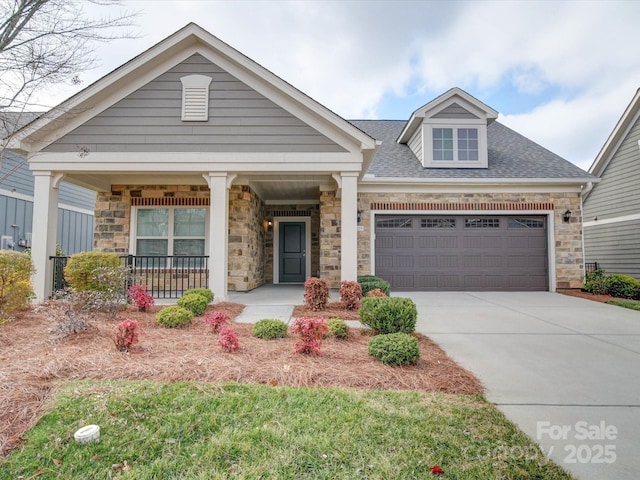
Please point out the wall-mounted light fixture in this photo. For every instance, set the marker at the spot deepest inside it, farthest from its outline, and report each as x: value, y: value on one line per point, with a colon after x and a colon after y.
x: 567, y: 216
x: 359, y: 217
x: 268, y: 224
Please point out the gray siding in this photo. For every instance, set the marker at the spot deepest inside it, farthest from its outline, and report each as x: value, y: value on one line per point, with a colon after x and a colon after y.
x: 455, y: 111
x: 240, y: 120
x: 415, y: 144
x: 615, y: 246
x: 618, y: 192
x: 75, y: 230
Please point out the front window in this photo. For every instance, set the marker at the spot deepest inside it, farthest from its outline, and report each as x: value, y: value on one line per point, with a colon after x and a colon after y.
x: 455, y: 144
x: 171, y: 231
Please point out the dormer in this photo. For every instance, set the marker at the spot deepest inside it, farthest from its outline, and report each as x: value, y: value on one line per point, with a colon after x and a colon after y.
x: 450, y: 131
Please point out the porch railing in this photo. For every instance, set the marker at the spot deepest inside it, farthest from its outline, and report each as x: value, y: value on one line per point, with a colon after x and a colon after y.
x: 165, y: 277
x: 590, y: 267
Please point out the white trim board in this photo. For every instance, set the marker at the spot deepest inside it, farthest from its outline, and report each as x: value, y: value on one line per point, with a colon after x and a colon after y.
x: 28, y: 198
x: 607, y: 221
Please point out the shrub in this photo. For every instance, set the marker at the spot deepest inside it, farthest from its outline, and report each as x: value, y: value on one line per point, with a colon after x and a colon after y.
x: 15, y: 282
x: 140, y: 297
x: 311, y: 331
x: 109, y: 299
x: 389, y: 314
x: 376, y: 292
x: 316, y: 293
x: 595, y: 282
x: 205, y: 292
x: 350, y: 294
x: 194, y: 302
x: 623, y: 286
x: 81, y: 267
x: 228, y: 339
x: 338, y: 328
x: 174, y: 316
x: 395, y: 348
x: 371, y: 282
x: 127, y: 334
x: 216, y: 320
x: 269, y: 329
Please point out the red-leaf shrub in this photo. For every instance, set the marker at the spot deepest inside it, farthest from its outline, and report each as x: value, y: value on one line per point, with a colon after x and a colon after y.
x: 376, y: 292
x: 228, y: 338
x: 316, y: 293
x: 311, y: 331
x: 127, y: 334
x: 140, y: 297
x: 216, y: 320
x: 350, y: 294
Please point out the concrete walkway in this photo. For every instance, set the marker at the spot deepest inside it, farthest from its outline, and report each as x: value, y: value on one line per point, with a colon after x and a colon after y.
x: 564, y: 369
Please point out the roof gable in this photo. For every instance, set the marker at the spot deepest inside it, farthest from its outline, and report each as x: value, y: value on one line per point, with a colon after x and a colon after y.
x: 165, y: 55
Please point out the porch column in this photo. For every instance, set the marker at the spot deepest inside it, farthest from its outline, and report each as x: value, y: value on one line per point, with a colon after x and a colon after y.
x: 218, y: 235
x: 44, y: 230
x: 349, y: 226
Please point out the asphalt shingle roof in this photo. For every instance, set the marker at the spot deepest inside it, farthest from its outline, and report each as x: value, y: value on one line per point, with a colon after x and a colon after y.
x: 511, y: 155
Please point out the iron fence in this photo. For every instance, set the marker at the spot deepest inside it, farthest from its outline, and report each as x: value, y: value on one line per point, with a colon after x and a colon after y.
x: 591, y: 267
x: 164, y: 277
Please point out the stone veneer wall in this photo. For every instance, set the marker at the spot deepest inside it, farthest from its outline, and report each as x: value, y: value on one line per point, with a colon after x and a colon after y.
x: 568, y: 236
x: 330, y: 238
x: 246, y: 239
x: 113, y: 211
x: 290, y: 210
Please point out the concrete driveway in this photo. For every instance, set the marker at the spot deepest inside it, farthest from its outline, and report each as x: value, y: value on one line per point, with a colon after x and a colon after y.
x: 566, y: 370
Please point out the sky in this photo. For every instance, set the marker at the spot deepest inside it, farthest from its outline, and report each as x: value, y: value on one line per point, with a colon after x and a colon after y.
x: 560, y: 73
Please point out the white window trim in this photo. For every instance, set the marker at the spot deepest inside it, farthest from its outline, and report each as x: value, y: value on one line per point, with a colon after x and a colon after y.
x: 427, y: 146
x: 133, y: 228
x: 195, y: 98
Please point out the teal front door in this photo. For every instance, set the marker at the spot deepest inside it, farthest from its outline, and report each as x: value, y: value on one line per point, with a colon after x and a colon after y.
x: 292, y: 251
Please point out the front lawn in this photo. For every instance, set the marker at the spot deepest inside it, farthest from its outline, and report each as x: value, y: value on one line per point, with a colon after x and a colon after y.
x: 631, y: 304
x: 153, y: 430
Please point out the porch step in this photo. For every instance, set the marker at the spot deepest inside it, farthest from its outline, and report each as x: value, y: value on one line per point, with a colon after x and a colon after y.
x: 253, y: 313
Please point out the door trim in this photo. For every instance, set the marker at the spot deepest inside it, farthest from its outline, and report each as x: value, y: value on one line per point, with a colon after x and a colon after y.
x: 551, y: 242
x: 276, y: 244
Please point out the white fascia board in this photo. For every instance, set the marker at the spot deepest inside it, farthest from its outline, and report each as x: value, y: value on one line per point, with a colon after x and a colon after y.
x: 477, y: 181
x: 468, y: 188
x: 196, y: 162
x: 617, y: 136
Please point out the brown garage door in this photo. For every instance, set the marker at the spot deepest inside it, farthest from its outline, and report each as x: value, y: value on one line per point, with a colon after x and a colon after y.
x: 449, y: 252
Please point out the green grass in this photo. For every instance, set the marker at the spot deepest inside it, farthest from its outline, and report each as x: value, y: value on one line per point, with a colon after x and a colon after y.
x: 207, y: 431
x: 632, y: 304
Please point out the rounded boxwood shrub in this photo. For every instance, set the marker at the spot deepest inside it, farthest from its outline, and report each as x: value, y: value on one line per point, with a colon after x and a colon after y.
x: 205, y: 292
x: 389, y: 314
x: 371, y: 282
x: 270, y: 328
x: 194, y: 302
x: 173, y: 316
x: 80, y: 267
x: 338, y: 328
x: 395, y: 348
x: 595, y: 282
x: 623, y: 286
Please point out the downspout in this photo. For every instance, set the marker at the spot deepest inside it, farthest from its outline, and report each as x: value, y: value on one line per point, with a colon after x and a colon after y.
x: 583, y: 194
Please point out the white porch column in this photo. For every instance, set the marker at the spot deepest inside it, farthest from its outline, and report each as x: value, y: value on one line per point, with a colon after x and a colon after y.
x: 349, y: 226
x: 218, y: 234
x: 44, y: 230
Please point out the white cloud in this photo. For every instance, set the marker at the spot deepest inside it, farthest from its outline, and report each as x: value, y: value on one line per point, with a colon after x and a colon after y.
x: 574, y: 63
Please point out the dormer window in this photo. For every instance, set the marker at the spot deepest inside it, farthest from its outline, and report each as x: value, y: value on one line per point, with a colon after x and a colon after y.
x: 195, y: 98
x: 450, y: 131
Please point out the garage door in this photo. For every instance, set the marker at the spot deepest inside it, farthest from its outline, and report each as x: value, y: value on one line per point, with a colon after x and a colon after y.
x: 449, y: 252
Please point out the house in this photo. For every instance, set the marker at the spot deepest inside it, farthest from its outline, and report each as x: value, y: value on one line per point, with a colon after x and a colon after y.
x: 75, y: 212
x: 612, y: 206
x: 197, y: 152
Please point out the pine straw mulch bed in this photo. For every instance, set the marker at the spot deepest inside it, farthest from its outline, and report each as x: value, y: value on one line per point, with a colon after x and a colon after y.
x: 32, y: 360
x: 576, y: 292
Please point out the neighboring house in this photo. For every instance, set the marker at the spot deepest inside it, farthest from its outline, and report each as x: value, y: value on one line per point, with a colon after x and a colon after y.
x: 612, y: 206
x: 76, y: 207
x: 197, y: 151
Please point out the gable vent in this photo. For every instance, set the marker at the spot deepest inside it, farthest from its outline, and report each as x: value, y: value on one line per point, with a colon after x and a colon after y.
x: 195, y: 98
